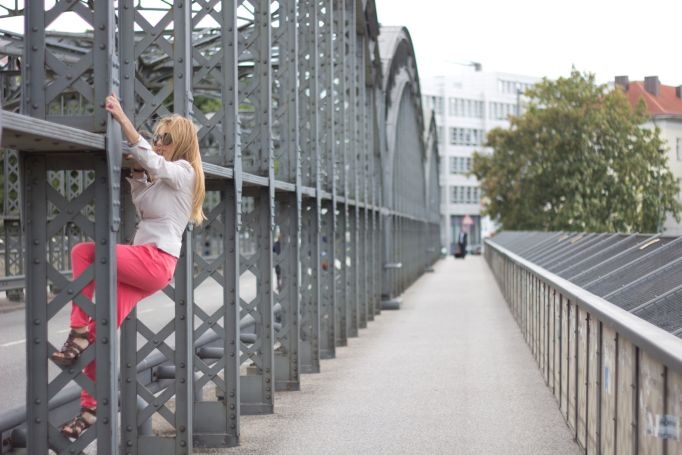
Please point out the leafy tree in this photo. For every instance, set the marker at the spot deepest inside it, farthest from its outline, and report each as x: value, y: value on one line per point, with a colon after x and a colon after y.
x: 577, y: 160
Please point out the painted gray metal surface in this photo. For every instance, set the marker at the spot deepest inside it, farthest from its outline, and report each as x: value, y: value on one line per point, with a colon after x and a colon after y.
x: 615, y: 375
x: 290, y: 99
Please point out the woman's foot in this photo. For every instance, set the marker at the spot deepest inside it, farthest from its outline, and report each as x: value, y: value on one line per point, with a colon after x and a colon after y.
x: 74, y: 428
x: 74, y: 346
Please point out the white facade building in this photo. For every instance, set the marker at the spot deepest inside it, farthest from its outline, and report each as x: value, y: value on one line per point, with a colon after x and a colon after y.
x: 664, y: 106
x: 467, y: 106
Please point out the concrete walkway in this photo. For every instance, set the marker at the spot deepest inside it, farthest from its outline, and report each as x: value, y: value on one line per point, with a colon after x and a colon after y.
x: 449, y: 373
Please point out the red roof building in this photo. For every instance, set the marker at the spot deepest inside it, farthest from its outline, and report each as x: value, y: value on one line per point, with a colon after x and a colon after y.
x: 660, y: 100
x: 664, y: 105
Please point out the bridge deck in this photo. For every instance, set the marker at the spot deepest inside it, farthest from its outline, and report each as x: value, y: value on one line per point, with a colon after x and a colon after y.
x: 449, y: 373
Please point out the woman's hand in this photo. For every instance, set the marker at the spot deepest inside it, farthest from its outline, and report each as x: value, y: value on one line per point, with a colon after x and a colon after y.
x: 113, y: 106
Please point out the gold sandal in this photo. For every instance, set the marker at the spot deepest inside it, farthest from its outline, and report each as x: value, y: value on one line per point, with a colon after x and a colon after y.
x: 71, y: 350
x: 76, y: 426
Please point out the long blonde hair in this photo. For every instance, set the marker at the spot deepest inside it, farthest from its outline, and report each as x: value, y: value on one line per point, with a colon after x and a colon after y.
x: 186, y: 147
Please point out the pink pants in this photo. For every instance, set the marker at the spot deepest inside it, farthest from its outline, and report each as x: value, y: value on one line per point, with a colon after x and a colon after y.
x: 141, y: 270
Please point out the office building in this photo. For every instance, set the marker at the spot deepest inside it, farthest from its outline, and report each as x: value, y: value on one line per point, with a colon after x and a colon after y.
x: 467, y: 106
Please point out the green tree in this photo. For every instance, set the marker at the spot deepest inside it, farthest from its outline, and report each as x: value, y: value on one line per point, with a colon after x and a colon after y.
x: 577, y: 160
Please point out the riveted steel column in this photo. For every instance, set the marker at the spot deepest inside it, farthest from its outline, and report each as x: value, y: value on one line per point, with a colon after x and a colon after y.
x: 130, y: 426
x: 106, y: 79
x: 184, y: 356
x: 351, y: 182
x: 184, y: 287
x: 229, y: 420
x: 310, y: 318
x: 361, y: 173
x: 287, y: 253
x: 352, y: 264
x: 34, y: 73
x: 231, y: 156
x: 255, y: 98
x: 217, y: 388
x: 327, y: 97
x: 34, y: 175
x: 340, y: 146
x: 378, y: 226
x: 310, y: 175
x: 327, y: 281
x: 286, y: 259
x: 340, y: 275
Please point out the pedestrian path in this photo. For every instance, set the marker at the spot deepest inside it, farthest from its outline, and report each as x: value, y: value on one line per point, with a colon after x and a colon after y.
x: 448, y: 373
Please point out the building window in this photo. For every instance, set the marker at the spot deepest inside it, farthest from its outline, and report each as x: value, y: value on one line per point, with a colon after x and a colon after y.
x: 465, y: 195
x: 678, y: 149
x: 512, y: 87
x: 434, y: 103
x: 461, y: 107
x: 466, y: 136
x: 453, y: 195
x: 460, y: 164
x: 501, y: 111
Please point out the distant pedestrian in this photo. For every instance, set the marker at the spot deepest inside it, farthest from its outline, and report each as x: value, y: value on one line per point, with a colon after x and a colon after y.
x: 461, y: 246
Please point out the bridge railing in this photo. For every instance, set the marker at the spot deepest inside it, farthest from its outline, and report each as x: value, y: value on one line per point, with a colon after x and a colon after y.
x: 616, y: 376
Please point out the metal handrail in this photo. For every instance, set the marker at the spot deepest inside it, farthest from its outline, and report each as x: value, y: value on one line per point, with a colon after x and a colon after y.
x: 658, y: 343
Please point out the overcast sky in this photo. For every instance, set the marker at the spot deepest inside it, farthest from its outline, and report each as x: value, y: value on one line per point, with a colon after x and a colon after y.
x: 544, y: 37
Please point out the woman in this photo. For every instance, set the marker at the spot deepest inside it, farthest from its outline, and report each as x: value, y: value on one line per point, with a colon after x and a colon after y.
x: 166, y: 203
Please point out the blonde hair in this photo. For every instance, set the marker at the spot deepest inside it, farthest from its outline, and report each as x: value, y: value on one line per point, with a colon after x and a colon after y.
x: 186, y: 147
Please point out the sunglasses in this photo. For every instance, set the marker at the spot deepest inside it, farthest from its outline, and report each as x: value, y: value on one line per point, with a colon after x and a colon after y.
x: 165, y: 138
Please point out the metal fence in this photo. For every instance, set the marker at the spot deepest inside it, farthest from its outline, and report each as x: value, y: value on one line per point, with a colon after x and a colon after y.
x: 322, y: 202
x: 600, y: 314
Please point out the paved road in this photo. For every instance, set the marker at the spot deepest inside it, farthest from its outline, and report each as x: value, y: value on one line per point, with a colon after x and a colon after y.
x: 449, y: 373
